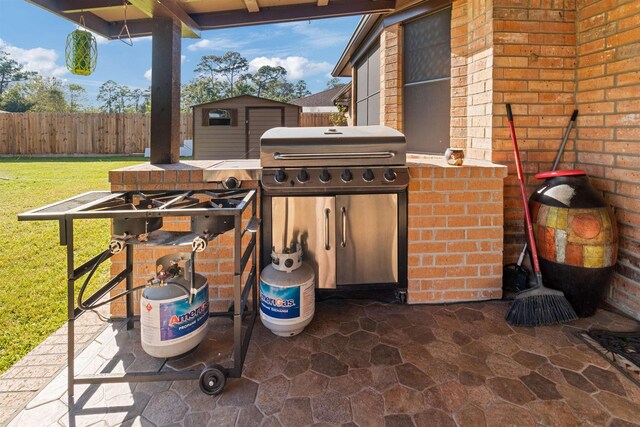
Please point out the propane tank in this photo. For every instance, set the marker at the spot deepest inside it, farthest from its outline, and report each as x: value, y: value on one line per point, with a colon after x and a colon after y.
x: 287, y: 293
x: 174, y: 308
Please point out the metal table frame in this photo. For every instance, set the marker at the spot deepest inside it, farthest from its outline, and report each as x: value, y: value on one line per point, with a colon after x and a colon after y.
x: 241, y: 308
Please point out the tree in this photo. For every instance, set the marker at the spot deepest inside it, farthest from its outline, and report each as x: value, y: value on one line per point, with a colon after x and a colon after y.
x: 227, y: 67
x: 116, y: 98
x: 198, y: 91
x: 334, y: 82
x: 300, y: 90
x: 11, y: 71
x: 108, y: 94
x: 76, y: 93
x: 267, y: 77
x: 14, y: 99
x: 36, y: 94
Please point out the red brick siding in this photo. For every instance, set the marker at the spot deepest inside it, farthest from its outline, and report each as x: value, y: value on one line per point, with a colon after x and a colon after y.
x: 215, y: 263
x: 455, y: 233
x: 608, y: 138
x: 471, y: 77
x: 391, y: 77
x: 534, y: 70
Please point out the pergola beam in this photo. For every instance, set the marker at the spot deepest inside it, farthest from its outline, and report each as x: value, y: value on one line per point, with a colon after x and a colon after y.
x: 68, y: 6
x: 170, y: 9
x: 252, y: 5
x: 91, y: 21
x: 294, y: 12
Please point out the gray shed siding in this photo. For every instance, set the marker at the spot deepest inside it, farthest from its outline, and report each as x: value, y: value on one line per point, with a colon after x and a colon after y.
x: 230, y: 142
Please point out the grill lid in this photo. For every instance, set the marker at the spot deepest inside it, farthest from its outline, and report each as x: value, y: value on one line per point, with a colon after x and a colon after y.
x: 335, y: 146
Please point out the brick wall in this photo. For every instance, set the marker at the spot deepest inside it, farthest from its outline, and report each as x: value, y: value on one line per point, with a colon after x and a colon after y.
x: 534, y: 70
x: 471, y: 77
x: 608, y: 137
x: 215, y: 263
x: 455, y: 231
x: 391, y: 77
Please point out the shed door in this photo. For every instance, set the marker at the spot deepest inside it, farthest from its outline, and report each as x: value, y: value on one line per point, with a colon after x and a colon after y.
x: 260, y: 120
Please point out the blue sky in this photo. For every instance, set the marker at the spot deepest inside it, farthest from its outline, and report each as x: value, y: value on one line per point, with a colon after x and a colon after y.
x: 307, y: 49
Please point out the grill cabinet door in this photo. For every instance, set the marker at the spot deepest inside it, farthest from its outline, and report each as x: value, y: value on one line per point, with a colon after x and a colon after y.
x: 367, y: 239
x: 309, y: 221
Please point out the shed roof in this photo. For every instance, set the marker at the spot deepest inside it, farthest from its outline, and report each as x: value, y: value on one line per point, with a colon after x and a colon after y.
x: 222, y: 101
x: 320, y: 99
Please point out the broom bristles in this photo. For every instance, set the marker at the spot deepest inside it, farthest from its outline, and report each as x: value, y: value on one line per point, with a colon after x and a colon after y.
x: 540, y: 308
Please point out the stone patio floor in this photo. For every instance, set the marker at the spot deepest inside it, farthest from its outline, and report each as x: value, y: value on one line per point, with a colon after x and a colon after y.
x: 368, y: 364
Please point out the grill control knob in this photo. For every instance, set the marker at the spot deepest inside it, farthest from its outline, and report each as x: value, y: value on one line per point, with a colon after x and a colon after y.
x: 390, y: 175
x: 368, y: 175
x: 346, y: 175
x: 281, y: 176
x: 303, y: 176
x: 325, y: 176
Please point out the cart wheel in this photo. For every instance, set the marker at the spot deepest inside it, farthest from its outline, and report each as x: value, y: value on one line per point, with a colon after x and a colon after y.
x: 212, y: 380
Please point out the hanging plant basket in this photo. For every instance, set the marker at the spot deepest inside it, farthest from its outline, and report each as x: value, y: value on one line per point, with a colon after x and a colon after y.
x: 81, y: 52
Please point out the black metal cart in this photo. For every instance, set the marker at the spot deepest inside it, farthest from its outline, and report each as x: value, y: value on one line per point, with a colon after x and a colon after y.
x: 96, y: 204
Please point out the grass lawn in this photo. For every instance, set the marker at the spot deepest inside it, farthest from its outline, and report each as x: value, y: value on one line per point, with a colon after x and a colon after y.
x: 32, y: 262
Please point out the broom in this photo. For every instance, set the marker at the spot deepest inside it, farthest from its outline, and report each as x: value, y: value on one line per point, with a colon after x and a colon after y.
x: 538, y: 305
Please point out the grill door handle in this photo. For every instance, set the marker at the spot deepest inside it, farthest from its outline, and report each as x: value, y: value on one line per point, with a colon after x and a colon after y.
x: 327, y: 212
x: 331, y: 156
x: 343, y: 243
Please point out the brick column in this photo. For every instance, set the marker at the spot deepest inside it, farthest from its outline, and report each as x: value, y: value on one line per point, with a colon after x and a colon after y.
x: 391, y: 77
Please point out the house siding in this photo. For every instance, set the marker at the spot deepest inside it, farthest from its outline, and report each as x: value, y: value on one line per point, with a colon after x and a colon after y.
x: 546, y: 59
x: 608, y: 135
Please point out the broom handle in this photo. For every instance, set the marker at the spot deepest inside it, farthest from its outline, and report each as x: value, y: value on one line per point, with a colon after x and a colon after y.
x: 523, y: 190
x: 565, y: 137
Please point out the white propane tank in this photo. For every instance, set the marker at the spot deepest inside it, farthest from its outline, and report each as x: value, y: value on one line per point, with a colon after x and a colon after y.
x: 287, y: 293
x: 169, y: 324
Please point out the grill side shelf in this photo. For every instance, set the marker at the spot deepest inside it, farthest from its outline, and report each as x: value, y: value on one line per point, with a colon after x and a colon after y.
x: 58, y: 210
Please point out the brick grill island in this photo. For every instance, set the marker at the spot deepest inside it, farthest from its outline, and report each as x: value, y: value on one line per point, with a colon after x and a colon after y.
x: 455, y: 235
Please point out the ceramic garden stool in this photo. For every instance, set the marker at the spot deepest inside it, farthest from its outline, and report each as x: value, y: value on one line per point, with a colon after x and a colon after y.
x: 576, y: 235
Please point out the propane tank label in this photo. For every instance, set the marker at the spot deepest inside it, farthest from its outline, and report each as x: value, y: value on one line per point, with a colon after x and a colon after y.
x: 179, y: 318
x: 280, y: 303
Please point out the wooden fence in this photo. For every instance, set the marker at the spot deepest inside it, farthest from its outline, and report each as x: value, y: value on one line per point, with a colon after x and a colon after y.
x: 79, y: 133
x: 315, y: 119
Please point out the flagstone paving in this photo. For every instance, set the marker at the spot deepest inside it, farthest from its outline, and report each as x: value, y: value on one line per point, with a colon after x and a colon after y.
x: 368, y: 364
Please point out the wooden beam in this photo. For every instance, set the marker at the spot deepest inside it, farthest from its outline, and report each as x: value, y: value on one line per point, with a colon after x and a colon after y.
x: 323, y: 2
x: 93, y: 22
x: 68, y: 6
x: 168, y: 8
x: 252, y: 5
x: 165, y: 91
x: 294, y: 12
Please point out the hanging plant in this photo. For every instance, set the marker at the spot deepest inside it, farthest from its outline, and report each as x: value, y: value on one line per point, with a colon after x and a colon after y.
x: 81, y: 53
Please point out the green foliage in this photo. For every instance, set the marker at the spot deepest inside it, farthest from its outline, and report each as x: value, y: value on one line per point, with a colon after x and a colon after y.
x: 225, y: 76
x: 38, y: 94
x: 339, y: 118
x: 334, y: 82
x: 76, y: 94
x: 117, y: 98
x: 11, y: 72
x: 33, y: 273
x: 228, y: 67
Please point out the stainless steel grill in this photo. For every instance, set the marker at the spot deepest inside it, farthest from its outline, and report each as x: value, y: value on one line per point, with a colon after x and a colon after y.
x: 342, y: 194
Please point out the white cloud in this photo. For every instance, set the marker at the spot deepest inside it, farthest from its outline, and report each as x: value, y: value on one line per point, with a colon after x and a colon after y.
x: 147, y: 74
x: 217, y: 44
x: 298, y: 67
x: 182, y: 58
x: 36, y: 59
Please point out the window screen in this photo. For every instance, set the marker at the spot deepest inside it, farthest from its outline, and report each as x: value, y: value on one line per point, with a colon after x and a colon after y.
x: 368, y: 89
x: 427, y: 82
